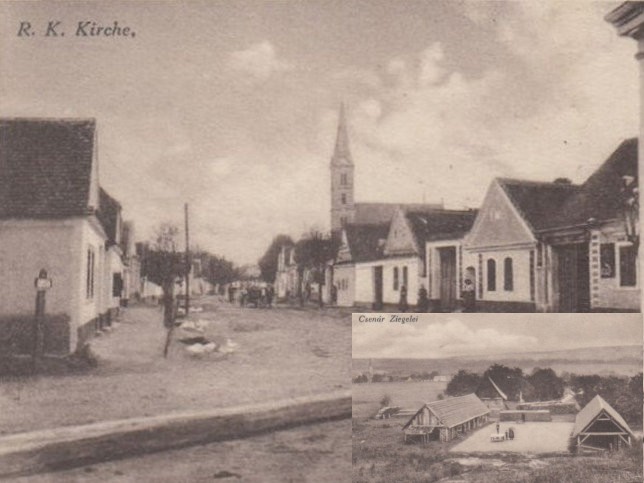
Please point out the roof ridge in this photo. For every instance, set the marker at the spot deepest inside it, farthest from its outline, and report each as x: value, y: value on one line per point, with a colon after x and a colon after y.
x: 504, y: 179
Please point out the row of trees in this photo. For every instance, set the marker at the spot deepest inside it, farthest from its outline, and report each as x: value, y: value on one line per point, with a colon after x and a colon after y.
x: 543, y: 384
x: 540, y: 385
x: 311, y: 254
x: 163, y: 263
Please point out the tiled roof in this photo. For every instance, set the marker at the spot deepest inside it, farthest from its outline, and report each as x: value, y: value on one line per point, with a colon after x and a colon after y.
x: 592, y: 410
x: 456, y: 410
x: 433, y: 225
x: 374, y: 213
x: 365, y: 241
x: 45, y: 167
x: 108, y: 214
x: 537, y: 202
x: 547, y: 206
x: 600, y: 196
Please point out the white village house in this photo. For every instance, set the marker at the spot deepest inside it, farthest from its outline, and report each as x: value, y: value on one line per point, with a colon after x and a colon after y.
x: 559, y: 247
x: 54, y: 216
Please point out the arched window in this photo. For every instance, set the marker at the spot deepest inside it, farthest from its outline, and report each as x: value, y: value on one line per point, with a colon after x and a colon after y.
x: 395, y: 278
x: 491, y: 275
x: 508, y: 274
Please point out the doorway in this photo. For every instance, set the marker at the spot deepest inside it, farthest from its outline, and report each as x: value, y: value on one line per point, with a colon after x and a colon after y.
x: 447, y: 278
x: 573, y: 278
x: 377, y: 287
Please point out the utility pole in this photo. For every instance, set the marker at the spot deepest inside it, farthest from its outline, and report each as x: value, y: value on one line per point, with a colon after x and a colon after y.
x: 188, y: 263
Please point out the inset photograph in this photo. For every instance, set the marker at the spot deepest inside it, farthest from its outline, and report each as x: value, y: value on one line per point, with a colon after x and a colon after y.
x: 497, y: 398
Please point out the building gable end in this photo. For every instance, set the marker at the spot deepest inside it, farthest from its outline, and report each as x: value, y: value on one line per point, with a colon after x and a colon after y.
x: 400, y: 239
x: 498, y: 223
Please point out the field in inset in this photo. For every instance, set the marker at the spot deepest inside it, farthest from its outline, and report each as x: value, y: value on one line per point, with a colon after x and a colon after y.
x: 408, y: 395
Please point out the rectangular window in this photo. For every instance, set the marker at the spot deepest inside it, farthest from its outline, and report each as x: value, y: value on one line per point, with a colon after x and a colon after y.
x: 607, y: 259
x: 480, y: 277
x: 405, y: 277
x: 89, y: 289
x: 508, y: 273
x: 627, y: 266
x: 532, y: 288
x: 491, y: 275
x: 344, y: 198
x: 395, y: 278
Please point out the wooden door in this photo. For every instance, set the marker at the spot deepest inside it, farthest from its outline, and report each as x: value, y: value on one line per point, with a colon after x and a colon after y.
x: 447, y: 278
x: 377, y: 289
x: 573, y: 278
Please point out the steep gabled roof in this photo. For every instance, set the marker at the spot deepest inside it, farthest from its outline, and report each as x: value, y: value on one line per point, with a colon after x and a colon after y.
x: 434, y: 225
x: 593, y: 409
x: 375, y: 213
x: 600, y: 196
x: 498, y: 389
x: 109, y: 212
x: 45, y: 167
x: 365, y: 241
x: 537, y: 202
x: 455, y: 410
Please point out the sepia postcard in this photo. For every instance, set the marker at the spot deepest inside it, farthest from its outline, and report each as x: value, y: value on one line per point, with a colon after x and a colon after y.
x: 196, y: 196
x: 497, y: 397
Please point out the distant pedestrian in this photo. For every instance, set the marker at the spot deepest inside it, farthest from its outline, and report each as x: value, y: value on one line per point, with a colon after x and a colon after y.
x: 334, y: 294
x: 423, y: 300
x: 498, y: 427
x: 270, y: 293
x: 507, y: 435
x: 511, y: 433
x: 403, y: 306
x: 469, y: 296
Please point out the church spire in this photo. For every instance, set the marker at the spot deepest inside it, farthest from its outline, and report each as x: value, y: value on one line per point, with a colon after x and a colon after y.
x: 342, y: 153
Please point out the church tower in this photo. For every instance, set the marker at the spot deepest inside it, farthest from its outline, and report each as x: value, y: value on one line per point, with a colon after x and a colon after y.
x: 342, y: 203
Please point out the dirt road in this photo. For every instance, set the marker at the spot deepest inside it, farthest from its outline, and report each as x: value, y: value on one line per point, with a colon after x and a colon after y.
x: 281, y: 353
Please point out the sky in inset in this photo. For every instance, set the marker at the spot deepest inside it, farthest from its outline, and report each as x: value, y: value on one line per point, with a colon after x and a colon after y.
x: 446, y: 335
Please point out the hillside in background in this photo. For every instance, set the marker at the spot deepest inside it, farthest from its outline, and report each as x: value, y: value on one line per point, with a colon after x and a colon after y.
x: 618, y: 360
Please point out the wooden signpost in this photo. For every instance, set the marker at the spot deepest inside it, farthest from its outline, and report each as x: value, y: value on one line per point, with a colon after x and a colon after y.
x: 42, y: 284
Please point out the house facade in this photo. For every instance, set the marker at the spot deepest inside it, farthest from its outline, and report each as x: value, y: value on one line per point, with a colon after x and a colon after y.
x: 559, y: 247
x: 53, y: 216
x: 287, y: 277
x: 376, y: 263
x: 446, y: 419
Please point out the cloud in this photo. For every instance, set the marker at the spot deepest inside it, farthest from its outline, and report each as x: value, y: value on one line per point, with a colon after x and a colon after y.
x: 555, y: 101
x: 259, y: 61
x: 425, y: 340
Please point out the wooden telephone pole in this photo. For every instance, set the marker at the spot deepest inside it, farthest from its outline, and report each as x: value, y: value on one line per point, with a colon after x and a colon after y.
x: 188, y: 263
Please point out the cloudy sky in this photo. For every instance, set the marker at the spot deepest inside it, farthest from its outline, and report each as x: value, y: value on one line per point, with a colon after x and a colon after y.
x: 446, y: 335
x: 232, y: 106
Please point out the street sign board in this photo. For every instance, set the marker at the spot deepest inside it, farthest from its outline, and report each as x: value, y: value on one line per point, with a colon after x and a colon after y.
x: 43, y: 283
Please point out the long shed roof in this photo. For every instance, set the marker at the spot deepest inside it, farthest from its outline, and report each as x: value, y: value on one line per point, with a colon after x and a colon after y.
x: 593, y: 409
x: 455, y: 410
